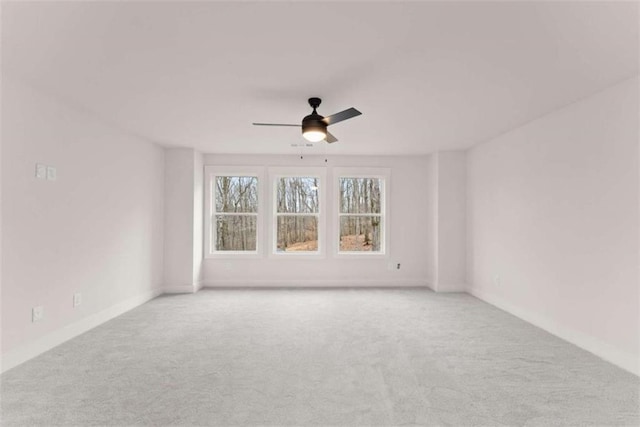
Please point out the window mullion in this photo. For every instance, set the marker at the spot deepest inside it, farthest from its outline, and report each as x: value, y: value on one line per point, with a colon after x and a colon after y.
x: 237, y: 213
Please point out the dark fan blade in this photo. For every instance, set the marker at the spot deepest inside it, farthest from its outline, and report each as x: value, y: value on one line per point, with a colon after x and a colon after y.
x: 274, y: 124
x: 342, y: 115
x: 330, y: 138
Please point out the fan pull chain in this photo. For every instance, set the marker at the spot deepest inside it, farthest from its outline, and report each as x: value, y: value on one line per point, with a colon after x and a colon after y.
x: 325, y: 151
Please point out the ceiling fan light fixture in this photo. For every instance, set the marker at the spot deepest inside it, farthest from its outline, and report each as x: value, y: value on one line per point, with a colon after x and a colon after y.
x: 314, y: 135
x: 313, y: 128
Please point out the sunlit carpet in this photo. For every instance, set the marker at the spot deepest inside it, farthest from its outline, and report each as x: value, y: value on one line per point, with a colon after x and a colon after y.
x: 318, y: 357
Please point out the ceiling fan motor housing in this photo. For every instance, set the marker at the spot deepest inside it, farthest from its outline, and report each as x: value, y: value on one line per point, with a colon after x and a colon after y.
x: 313, y: 122
x: 314, y: 126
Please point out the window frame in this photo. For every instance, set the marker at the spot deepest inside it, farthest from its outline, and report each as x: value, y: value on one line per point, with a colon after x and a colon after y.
x: 275, y: 173
x: 383, y: 174
x: 210, y: 173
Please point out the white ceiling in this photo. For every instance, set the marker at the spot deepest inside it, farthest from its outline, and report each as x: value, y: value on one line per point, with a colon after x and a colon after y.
x: 426, y: 75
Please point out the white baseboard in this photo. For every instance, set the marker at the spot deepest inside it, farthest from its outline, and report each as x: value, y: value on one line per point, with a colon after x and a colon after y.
x: 315, y: 283
x: 593, y: 345
x: 430, y: 285
x: 183, y: 289
x: 17, y: 356
x: 451, y: 287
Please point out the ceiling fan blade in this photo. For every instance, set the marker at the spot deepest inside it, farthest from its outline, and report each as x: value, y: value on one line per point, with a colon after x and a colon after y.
x: 342, y: 115
x: 330, y: 138
x: 275, y: 124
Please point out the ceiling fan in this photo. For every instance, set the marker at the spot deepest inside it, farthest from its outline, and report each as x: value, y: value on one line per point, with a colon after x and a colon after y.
x: 314, y: 126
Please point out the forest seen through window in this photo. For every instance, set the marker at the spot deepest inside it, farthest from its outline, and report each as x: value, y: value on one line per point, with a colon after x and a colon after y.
x: 360, y: 215
x: 297, y: 214
x: 236, y: 213
x: 297, y: 210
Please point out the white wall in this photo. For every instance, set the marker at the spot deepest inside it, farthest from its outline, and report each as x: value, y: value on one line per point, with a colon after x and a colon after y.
x: 407, y: 238
x: 97, y: 229
x: 183, y: 220
x: 445, y: 220
x: 178, y: 218
x: 451, y: 221
x: 553, y: 223
x: 1, y: 221
x: 198, y: 218
x: 431, y: 220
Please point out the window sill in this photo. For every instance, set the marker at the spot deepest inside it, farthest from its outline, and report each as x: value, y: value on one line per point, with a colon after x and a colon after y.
x: 296, y: 255
x: 233, y: 255
x: 360, y: 255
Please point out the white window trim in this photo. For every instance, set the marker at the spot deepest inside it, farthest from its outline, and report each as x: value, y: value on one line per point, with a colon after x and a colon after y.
x: 210, y: 172
x: 361, y: 172
x: 281, y: 172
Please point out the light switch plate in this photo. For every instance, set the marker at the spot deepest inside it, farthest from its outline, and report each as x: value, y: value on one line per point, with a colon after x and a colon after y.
x: 37, y: 313
x: 41, y: 171
x: 77, y: 299
x: 52, y: 173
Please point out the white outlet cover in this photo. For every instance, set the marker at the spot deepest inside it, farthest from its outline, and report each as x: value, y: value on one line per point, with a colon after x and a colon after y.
x: 37, y: 313
x: 77, y: 299
x: 41, y: 171
x: 52, y: 173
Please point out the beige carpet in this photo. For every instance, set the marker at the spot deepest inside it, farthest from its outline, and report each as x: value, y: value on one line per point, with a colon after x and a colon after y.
x: 318, y: 357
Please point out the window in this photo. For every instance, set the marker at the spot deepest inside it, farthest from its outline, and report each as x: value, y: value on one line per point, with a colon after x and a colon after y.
x: 296, y: 217
x: 236, y: 213
x: 233, y: 200
x: 361, y: 213
x: 297, y: 213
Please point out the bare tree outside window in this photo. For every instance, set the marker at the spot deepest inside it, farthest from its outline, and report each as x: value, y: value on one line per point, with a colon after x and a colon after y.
x: 297, y: 212
x: 236, y: 213
x: 360, y: 215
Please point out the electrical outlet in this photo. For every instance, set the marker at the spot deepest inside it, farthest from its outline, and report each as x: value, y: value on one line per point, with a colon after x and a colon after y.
x: 393, y: 266
x: 52, y: 173
x: 41, y: 171
x: 77, y: 299
x: 37, y: 313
